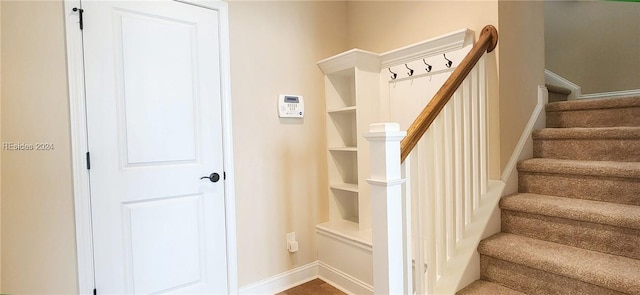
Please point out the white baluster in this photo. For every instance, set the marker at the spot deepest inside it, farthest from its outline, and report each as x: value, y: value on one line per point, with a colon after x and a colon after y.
x: 413, y: 161
x: 439, y: 196
x: 475, y: 138
x: 468, y: 125
x: 459, y: 165
x: 483, y: 127
x: 409, y: 200
x: 449, y: 176
x: 428, y: 193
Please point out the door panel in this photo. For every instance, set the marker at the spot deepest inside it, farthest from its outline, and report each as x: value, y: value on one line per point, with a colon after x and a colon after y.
x: 164, y: 240
x: 154, y: 129
x: 159, y: 102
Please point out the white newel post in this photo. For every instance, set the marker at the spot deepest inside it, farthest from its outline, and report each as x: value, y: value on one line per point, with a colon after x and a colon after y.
x: 389, y: 271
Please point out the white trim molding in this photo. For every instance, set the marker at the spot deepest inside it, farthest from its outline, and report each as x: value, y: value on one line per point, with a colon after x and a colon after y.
x: 524, y: 148
x: 79, y: 147
x: 434, y: 46
x: 611, y: 94
x: 283, y: 281
x: 555, y: 79
x: 536, y: 121
x: 342, y: 281
x: 576, y: 91
x: 305, y: 273
x: 362, y: 58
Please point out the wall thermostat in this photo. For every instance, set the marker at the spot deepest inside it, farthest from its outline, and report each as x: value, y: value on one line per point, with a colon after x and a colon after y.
x: 290, y: 106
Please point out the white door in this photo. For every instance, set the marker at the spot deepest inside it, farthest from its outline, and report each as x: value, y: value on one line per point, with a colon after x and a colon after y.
x: 153, y: 87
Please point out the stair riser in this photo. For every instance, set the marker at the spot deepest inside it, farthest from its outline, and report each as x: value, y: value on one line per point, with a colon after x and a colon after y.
x: 533, y: 281
x: 621, y: 150
x: 586, y: 235
x: 594, y: 118
x: 614, y: 190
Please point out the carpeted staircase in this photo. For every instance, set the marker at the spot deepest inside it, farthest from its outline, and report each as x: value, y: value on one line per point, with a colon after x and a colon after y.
x: 574, y: 228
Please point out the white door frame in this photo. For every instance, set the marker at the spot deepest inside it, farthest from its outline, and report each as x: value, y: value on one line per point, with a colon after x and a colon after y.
x: 79, y: 146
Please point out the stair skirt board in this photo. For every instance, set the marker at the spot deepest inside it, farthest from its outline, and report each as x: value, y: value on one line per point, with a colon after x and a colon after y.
x: 306, y: 273
x: 524, y: 147
x: 576, y: 91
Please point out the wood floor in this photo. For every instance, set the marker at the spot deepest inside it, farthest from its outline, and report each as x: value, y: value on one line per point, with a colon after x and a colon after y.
x: 315, y: 287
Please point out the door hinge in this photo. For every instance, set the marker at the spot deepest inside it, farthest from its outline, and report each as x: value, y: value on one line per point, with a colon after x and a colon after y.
x: 95, y: 291
x: 80, y: 12
x: 224, y: 175
x: 88, y: 161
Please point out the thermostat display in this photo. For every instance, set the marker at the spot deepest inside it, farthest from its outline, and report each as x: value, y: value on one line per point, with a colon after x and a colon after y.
x: 290, y: 106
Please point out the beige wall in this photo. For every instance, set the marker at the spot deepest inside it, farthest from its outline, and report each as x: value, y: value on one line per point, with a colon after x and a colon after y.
x: 38, y: 231
x: 595, y: 44
x: 381, y: 26
x: 281, y: 173
x: 521, y: 69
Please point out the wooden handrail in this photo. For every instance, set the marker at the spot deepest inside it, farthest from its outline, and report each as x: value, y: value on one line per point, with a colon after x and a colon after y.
x: 486, y: 43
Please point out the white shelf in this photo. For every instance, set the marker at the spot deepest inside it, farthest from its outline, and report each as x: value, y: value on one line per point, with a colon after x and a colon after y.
x: 350, y: 187
x: 342, y: 110
x: 344, y: 149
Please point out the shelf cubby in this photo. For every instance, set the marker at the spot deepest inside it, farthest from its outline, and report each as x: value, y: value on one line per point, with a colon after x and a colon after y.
x: 347, y: 204
x: 342, y: 129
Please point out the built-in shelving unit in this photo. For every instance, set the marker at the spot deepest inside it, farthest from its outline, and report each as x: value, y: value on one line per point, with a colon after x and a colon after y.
x: 352, y: 100
x: 352, y: 96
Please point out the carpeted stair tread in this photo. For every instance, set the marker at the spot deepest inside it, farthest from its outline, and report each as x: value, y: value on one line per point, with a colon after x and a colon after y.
x: 578, y: 167
x: 594, y: 112
x: 557, y: 93
x: 558, y: 89
x: 620, y: 215
x: 610, y: 271
x: 621, y: 144
x: 593, y: 104
x: 588, y: 133
x: 481, y: 287
x: 574, y: 228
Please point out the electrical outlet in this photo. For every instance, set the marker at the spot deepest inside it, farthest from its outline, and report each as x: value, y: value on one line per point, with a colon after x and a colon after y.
x: 292, y: 244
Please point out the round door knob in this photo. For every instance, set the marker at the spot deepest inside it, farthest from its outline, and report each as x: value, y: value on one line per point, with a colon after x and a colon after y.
x: 213, y: 177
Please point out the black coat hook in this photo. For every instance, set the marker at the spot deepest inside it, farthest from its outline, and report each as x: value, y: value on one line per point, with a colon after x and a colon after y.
x: 410, y: 72
x: 429, y: 67
x: 449, y: 62
x: 393, y: 75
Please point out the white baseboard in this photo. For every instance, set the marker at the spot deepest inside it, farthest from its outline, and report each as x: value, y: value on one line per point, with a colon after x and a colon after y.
x: 576, y: 91
x: 283, y: 281
x: 524, y: 148
x: 555, y: 79
x: 343, y: 281
x: 611, y: 94
x: 302, y: 274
